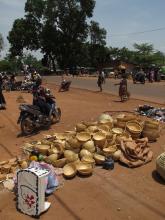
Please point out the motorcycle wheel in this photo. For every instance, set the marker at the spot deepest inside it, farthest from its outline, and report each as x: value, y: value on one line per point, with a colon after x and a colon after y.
x: 27, y: 126
x: 56, y: 116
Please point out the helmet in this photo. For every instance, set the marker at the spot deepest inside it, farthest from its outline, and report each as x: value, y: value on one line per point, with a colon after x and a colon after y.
x: 47, y: 91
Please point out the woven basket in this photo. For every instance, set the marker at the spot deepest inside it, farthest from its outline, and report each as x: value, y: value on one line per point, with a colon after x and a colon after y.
x: 152, y: 135
x: 127, y: 118
x: 160, y: 165
x: 153, y: 122
x: 151, y: 126
x: 121, y: 124
x: 134, y: 127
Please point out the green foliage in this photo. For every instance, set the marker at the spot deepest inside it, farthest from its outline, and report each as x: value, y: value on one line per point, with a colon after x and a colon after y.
x: 1, y: 43
x: 99, y: 55
x: 144, y: 48
x: 44, y: 71
x: 5, y: 65
x: 59, y: 28
x: 30, y: 60
x: 144, y: 55
x: 97, y: 34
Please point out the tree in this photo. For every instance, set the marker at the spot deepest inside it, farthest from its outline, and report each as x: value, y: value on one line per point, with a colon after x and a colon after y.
x: 1, y: 43
x: 97, y: 34
x: 98, y: 52
x: 145, y: 56
x: 144, y: 48
x: 59, y: 28
x: 5, y: 65
x: 30, y: 60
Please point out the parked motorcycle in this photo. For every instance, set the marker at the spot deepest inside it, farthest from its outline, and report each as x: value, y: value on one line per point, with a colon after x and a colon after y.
x: 138, y: 77
x: 31, y: 118
x: 27, y: 86
x: 6, y: 85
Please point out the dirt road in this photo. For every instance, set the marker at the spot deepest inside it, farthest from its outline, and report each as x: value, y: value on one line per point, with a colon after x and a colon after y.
x: 121, y: 194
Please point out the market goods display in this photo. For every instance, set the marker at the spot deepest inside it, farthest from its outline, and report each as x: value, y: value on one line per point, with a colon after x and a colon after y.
x: 90, y: 144
x: 93, y: 142
x: 8, y: 168
x: 152, y: 112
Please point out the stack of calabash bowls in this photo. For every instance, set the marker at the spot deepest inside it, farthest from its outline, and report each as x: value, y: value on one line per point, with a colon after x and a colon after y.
x: 90, y: 143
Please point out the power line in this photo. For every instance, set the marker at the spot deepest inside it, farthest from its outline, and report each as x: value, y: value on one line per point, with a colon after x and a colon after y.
x: 139, y: 32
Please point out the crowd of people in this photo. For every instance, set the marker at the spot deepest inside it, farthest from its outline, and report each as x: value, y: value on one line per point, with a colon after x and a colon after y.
x: 9, y: 82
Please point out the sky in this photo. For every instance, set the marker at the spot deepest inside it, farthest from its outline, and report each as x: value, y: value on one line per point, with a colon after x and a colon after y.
x: 118, y: 17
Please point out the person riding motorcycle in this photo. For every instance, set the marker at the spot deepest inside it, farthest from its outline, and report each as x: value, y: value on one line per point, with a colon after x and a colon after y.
x: 43, y: 98
x: 65, y: 84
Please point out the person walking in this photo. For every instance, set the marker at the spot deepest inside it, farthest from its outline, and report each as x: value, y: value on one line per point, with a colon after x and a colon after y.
x: 103, y: 76
x: 151, y: 76
x: 100, y: 81
x: 2, y: 98
x: 123, y: 92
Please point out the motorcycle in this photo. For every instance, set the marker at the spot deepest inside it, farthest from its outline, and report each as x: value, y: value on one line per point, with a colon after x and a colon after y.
x: 31, y: 118
x: 6, y: 85
x: 138, y: 77
x: 27, y: 86
x: 65, y: 85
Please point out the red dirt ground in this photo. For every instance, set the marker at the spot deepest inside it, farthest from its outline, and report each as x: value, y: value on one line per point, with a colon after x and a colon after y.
x: 121, y: 194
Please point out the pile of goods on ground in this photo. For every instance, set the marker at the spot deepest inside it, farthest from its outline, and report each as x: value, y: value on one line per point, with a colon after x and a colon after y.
x: 152, y: 112
x: 8, y: 168
x: 135, y: 153
x: 123, y: 138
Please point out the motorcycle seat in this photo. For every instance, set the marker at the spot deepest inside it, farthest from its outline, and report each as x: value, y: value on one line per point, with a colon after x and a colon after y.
x: 35, y: 107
